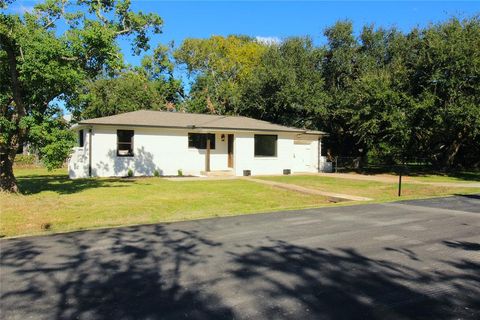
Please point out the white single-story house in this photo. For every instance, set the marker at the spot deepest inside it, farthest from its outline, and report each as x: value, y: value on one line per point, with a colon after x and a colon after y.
x: 166, y: 143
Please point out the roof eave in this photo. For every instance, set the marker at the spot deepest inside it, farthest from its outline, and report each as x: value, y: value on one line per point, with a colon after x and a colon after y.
x: 318, y: 133
x: 190, y: 127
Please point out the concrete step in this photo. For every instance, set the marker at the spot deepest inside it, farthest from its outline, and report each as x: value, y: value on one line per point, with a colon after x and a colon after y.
x: 218, y: 173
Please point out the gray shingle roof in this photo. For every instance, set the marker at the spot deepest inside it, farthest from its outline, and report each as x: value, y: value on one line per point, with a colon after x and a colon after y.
x: 149, y: 118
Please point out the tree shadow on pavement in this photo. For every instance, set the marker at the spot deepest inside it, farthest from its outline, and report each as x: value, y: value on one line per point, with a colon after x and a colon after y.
x: 343, y: 284
x: 139, y: 278
x: 162, y: 272
x: 465, y: 245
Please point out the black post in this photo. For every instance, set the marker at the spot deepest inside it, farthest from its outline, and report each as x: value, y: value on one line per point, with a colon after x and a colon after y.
x: 90, y: 152
x: 400, y: 184
x: 401, y: 172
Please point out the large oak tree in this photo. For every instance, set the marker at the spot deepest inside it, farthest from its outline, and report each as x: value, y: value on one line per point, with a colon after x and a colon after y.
x: 46, y: 54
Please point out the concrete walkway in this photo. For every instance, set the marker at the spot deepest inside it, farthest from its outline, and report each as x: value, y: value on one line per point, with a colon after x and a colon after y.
x: 200, y: 178
x: 335, y: 197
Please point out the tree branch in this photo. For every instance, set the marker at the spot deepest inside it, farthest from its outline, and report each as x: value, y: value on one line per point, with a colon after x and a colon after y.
x: 98, y: 12
x: 16, y: 85
x: 125, y: 28
x: 69, y: 58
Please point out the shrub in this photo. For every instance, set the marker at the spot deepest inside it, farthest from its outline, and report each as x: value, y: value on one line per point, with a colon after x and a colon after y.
x: 25, y: 159
x: 156, y: 173
x: 130, y: 173
x: 180, y: 173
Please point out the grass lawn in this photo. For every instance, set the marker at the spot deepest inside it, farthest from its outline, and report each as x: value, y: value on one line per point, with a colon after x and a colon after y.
x: 466, y: 176
x: 52, y: 203
x: 379, y: 191
x: 453, y: 177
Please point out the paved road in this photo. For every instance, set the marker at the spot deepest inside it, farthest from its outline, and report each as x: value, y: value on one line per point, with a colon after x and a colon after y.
x: 414, y: 259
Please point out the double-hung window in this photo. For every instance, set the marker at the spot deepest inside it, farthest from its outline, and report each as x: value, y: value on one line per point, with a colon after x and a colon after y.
x: 199, y: 140
x: 125, y: 143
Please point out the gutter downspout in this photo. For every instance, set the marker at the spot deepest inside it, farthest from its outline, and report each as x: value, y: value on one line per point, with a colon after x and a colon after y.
x: 207, y: 155
x: 319, y: 153
x: 90, y: 152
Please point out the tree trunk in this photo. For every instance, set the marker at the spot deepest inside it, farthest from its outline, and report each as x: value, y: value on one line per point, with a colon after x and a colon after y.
x: 8, y: 149
x: 452, y: 153
x: 453, y: 149
x: 8, y: 183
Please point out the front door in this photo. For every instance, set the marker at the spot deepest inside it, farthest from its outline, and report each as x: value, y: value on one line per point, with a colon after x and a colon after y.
x: 230, y: 150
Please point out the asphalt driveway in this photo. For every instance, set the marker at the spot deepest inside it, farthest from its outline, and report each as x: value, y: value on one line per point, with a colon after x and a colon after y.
x: 404, y: 260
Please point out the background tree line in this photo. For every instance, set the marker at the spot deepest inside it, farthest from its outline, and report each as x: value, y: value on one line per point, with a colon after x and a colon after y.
x: 391, y: 94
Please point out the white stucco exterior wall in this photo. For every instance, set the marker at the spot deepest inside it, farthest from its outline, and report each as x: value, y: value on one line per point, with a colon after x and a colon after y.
x: 166, y: 150
x: 245, y: 158
x: 78, y: 162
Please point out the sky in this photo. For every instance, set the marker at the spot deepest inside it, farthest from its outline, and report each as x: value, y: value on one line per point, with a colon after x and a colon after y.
x: 276, y: 20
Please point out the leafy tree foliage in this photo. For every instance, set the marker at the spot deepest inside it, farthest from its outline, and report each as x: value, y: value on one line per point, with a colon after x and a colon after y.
x: 41, y: 62
x: 219, y: 65
x: 410, y: 95
x: 392, y: 95
x: 446, y: 83
x: 52, y: 138
x: 128, y: 92
x: 287, y: 86
x: 150, y: 86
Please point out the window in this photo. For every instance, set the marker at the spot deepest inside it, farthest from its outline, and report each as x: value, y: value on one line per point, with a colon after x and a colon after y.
x: 125, y: 143
x: 81, y: 142
x: 265, y: 145
x: 199, y: 140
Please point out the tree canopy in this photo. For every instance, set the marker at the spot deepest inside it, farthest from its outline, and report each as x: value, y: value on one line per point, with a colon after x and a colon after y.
x: 149, y: 86
x: 42, y: 62
x: 219, y: 65
x: 391, y: 94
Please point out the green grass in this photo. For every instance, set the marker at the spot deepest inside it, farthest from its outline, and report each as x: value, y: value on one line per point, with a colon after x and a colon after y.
x: 378, y: 191
x: 428, y: 176
x: 53, y: 203
x: 464, y: 177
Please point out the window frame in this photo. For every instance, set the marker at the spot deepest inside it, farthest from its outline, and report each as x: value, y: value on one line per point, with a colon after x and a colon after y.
x: 255, y: 145
x: 131, y: 143
x: 212, y: 140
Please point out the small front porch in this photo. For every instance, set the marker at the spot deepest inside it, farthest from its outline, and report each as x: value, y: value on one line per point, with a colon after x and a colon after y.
x: 218, y: 152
